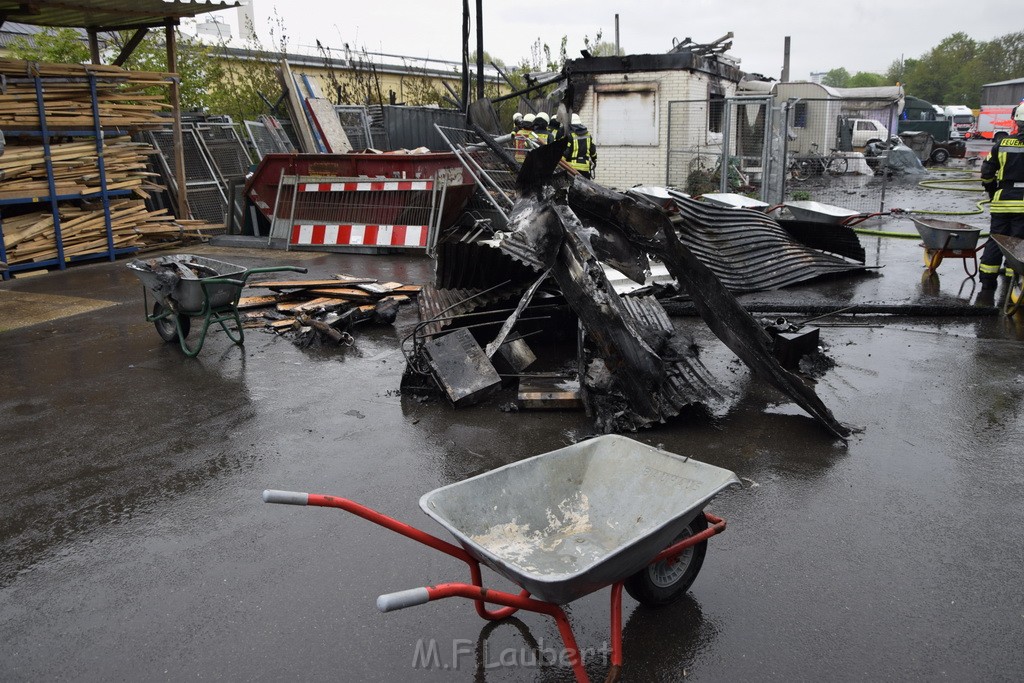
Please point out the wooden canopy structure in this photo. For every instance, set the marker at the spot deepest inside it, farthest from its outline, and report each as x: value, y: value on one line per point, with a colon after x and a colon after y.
x: 99, y: 16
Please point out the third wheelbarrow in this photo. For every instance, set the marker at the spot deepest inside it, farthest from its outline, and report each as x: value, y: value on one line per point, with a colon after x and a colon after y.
x: 609, y: 511
x: 1013, y: 252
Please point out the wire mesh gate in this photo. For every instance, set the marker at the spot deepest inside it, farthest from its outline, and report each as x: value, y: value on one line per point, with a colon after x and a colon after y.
x: 828, y: 158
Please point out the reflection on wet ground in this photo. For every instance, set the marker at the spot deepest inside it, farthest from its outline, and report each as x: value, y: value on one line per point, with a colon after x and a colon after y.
x: 133, y: 541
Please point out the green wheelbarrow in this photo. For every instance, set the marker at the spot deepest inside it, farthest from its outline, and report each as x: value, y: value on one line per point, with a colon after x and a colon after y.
x: 186, y: 287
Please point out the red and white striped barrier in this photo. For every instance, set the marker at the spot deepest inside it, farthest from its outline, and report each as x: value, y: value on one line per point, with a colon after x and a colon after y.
x: 368, y: 186
x: 359, y: 235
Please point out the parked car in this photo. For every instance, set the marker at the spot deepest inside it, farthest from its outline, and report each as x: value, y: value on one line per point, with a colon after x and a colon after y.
x: 928, y: 149
x: 942, y: 151
x: 865, y: 131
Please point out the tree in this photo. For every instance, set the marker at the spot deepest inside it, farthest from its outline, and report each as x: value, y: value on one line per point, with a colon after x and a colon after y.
x: 601, y: 48
x: 866, y: 79
x: 199, y: 72
x: 954, y: 70
x: 249, y: 76
x: 836, y: 78
x: 61, y: 46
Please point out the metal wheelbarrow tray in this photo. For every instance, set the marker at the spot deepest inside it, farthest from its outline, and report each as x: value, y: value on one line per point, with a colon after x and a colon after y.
x: 186, y: 286
x: 948, y: 239
x: 566, y: 523
x: 821, y: 213
x: 610, y: 511
x: 1013, y: 252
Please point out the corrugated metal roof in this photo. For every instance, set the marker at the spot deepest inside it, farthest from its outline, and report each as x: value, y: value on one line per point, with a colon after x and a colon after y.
x: 105, y: 14
x: 748, y: 250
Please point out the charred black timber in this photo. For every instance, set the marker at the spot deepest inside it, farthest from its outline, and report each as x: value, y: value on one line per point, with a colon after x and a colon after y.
x: 717, y: 306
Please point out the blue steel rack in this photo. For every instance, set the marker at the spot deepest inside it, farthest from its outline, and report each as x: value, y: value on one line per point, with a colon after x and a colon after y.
x: 54, y: 199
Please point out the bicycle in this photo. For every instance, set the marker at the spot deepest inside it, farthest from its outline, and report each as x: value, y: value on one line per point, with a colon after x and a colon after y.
x: 803, y: 167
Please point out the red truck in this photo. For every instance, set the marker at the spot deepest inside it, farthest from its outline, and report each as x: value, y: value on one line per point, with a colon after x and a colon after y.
x: 995, y: 120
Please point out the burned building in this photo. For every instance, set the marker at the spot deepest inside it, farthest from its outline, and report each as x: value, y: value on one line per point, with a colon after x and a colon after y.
x: 650, y: 112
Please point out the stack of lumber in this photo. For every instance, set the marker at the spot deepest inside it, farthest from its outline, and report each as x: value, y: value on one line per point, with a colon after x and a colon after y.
x: 31, y: 237
x: 324, y: 309
x: 122, y: 96
x: 75, y: 168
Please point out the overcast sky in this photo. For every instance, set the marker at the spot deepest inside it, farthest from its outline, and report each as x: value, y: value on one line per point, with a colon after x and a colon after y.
x: 860, y: 35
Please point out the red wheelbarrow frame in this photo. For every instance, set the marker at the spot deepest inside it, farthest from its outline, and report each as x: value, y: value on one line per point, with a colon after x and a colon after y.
x: 477, y: 593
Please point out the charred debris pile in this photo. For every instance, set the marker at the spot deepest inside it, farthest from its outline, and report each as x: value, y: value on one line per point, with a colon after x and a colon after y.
x: 323, y: 312
x: 531, y: 304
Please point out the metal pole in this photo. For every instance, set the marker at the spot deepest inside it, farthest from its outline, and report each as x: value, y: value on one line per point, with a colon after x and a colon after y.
x: 465, y: 55
x: 723, y: 174
x: 767, y: 170
x: 617, y: 35
x: 479, y: 49
x: 179, y: 140
x: 785, y: 61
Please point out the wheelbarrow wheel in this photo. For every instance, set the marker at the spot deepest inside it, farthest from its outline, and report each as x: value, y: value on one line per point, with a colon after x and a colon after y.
x: 932, y: 258
x: 166, y: 328
x: 665, y: 582
x: 1015, y: 295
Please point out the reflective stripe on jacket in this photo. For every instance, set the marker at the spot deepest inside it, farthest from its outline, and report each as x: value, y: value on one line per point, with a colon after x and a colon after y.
x: 1004, y: 171
x: 580, y: 152
x: 521, y: 142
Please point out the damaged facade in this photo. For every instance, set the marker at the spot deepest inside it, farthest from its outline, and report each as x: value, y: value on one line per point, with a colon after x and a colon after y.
x: 626, y: 101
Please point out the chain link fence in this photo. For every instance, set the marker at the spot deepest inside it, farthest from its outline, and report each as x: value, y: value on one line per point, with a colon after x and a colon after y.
x: 777, y: 152
x: 829, y: 145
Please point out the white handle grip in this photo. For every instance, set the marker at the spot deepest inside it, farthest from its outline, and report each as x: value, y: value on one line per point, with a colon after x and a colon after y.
x: 389, y: 602
x: 285, y: 497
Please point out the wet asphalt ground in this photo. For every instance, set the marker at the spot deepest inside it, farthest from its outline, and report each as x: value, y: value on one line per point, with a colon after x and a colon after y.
x: 134, y: 544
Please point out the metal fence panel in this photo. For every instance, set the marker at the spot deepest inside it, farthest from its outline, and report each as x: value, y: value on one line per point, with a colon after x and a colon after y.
x: 412, y: 127
x: 356, y: 122
x: 694, y: 148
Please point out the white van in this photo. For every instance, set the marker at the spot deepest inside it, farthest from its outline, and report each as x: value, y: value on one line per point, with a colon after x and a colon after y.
x: 960, y: 119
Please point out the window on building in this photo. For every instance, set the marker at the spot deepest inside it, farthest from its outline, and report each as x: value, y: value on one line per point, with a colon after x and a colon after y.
x: 627, y: 118
x: 716, y: 109
x: 800, y: 115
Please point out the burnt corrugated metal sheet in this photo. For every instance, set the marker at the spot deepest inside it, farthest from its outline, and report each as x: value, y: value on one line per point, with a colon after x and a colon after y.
x: 687, y: 380
x: 465, y: 264
x: 834, y: 238
x: 444, y: 304
x: 748, y: 250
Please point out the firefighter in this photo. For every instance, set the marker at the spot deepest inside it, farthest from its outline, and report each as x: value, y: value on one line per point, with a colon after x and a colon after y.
x: 555, y: 128
x: 522, y: 138
x: 1002, y: 176
x: 517, y: 119
x: 540, y: 128
x: 581, y: 152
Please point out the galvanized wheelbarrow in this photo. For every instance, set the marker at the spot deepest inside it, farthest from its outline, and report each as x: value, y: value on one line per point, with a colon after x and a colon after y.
x: 1013, y: 252
x: 186, y: 287
x: 948, y: 239
x: 605, y: 512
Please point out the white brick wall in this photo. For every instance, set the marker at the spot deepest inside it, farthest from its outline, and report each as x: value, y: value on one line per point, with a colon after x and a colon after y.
x: 624, y: 167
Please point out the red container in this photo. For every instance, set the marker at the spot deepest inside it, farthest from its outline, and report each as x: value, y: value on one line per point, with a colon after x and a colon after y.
x: 262, y: 187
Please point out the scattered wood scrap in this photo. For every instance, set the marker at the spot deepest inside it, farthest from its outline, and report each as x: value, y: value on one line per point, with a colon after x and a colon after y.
x: 323, y: 312
x: 31, y: 237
